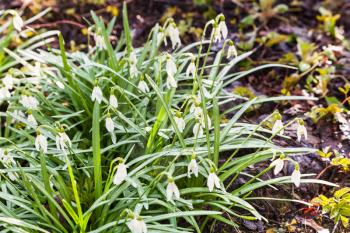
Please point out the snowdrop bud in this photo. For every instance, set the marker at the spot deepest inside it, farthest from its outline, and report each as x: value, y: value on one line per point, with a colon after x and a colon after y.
x: 41, y: 142
x: 296, y: 175
x: 172, y: 189
x: 113, y: 101
x: 215, y: 34
x: 191, y: 69
x: 121, y: 173
x: 278, y: 164
x: 196, y: 109
x: 161, y: 37
x: 143, y: 86
x: 100, y: 43
x: 62, y: 141
x: 8, y: 81
x: 192, y: 167
x: 198, y: 129
x: 17, y: 22
x: 213, y: 180
x: 97, y: 94
x: 29, y: 102
x: 278, y: 125
x: 223, y: 28
x: 180, y: 122
x: 31, y: 119
x: 174, y: 35
x: 170, y: 66
x: 137, y: 225
x: 4, y: 93
x: 231, y: 52
x: 109, y: 123
x: 301, y: 130
x: 133, y: 65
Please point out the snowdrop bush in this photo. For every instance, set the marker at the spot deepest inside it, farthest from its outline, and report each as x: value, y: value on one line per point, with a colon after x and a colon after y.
x: 131, y: 139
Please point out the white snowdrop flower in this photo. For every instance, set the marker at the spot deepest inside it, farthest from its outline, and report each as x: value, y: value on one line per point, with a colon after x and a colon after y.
x: 191, y: 69
x: 171, y: 82
x: 41, y: 142
x: 202, y: 121
x: 6, y: 157
x: 296, y: 175
x: 213, y: 180
x: 278, y: 125
x: 143, y: 86
x: 170, y: 66
x: 180, y: 122
x: 29, y: 102
x: 232, y: 51
x: 278, y: 164
x: 97, y: 94
x: 31, y: 119
x: 196, y: 109
x: 113, y: 101
x: 192, y: 167
x: 215, y: 34
x: 161, y: 37
x: 301, y: 130
x: 172, y: 190
x: 109, y: 124
x: 17, y: 22
x: 99, y: 41
x: 59, y: 84
x: 8, y: 81
x: 120, y: 174
x: 198, y: 129
x: 133, y: 65
x: 137, y: 225
x: 62, y: 141
x: 174, y: 35
x: 4, y: 93
x: 223, y: 28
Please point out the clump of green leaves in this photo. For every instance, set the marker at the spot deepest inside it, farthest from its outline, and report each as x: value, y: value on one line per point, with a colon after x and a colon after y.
x: 337, y: 206
x: 122, y: 139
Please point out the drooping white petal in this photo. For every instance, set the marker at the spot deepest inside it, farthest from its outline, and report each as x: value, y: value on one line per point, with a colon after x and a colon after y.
x: 172, y: 191
x: 4, y: 93
x: 29, y: 102
x: 191, y: 70
x: 137, y: 225
x: 301, y: 130
x: 223, y: 29
x: 295, y: 177
x: 143, y: 86
x: 8, y: 81
x: 231, y: 52
x: 198, y: 130
x: 278, y: 164
x: 180, y: 122
x: 174, y: 35
x: 41, y: 143
x: 213, y: 180
x: 278, y: 127
x: 31, y: 119
x: 121, y: 174
x: 109, y: 124
x: 97, y: 94
x: 192, y: 168
x: 113, y: 101
x: 171, y: 82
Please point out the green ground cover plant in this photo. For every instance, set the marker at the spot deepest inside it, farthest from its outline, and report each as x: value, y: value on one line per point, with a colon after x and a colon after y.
x: 122, y: 139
